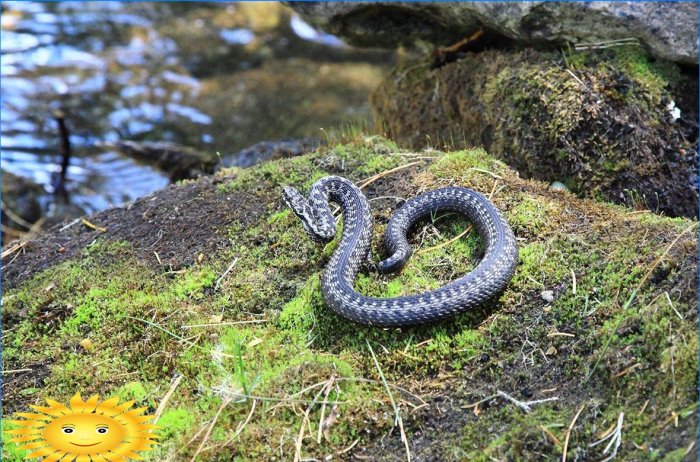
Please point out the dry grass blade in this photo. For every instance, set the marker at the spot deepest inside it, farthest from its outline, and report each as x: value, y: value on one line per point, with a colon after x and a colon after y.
x: 164, y: 401
x: 568, y: 433
x: 439, y: 246
x: 211, y: 427
x: 13, y: 249
x: 304, y: 420
x: 397, y: 416
x: 376, y: 177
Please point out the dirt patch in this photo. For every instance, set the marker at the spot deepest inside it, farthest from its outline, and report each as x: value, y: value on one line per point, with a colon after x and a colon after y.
x: 175, y: 225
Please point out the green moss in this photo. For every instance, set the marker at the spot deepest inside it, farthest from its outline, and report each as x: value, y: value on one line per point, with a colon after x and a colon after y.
x: 132, y: 391
x: 175, y: 421
x: 554, y: 117
x: 264, y: 334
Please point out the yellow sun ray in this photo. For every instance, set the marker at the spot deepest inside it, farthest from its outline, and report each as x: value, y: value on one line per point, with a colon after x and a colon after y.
x: 107, y: 406
x: 34, y: 445
x: 47, y: 452
x: 57, y: 407
x: 28, y: 423
x: 29, y: 415
x: 20, y: 439
x: 24, y: 431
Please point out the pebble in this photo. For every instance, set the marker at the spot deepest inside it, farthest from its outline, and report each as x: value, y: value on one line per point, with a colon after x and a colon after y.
x: 558, y: 186
x: 547, y: 296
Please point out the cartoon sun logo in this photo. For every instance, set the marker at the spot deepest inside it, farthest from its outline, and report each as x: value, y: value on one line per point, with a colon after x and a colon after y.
x: 86, y: 431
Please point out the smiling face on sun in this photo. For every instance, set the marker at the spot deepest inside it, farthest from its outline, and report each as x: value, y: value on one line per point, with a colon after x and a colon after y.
x: 84, y: 433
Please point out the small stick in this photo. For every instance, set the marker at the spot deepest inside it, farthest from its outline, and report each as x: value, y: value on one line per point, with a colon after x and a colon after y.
x: 300, y: 437
x: 232, y: 323
x: 525, y: 406
x: 397, y: 415
x: 74, y: 222
x: 615, y: 438
x: 573, y: 279
x: 328, y: 387
x: 101, y: 229
x: 673, y: 307
x: 218, y: 281
x: 568, y: 433
x: 164, y: 401
x: 241, y: 425
x: 14, y: 371
x: 551, y: 436
x: 13, y: 249
x: 486, y: 171
x: 644, y: 408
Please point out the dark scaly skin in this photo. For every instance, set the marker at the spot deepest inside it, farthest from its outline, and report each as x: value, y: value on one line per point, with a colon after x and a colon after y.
x: 488, y: 278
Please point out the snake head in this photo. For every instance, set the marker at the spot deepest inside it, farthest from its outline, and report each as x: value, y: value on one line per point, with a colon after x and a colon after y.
x: 317, y: 229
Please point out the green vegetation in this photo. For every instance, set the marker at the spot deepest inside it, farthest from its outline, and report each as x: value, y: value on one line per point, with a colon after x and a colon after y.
x: 597, y: 120
x: 258, y: 348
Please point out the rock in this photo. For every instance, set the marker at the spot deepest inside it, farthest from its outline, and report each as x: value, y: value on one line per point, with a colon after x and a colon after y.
x: 668, y: 30
x: 153, y: 309
x: 597, y: 120
x: 20, y: 202
x: 269, y: 150
x: 558, y: 186
x: 177, y: 161
x: 547, y: 296
x: 183, y: 162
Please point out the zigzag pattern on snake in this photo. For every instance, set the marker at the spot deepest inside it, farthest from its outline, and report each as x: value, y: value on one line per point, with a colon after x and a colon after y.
x: 488, y: 278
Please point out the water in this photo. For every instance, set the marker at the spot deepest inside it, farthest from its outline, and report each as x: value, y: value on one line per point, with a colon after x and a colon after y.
x: 215, y: 77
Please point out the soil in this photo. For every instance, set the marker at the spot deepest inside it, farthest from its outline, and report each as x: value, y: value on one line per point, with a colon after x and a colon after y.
x: 176, y: 224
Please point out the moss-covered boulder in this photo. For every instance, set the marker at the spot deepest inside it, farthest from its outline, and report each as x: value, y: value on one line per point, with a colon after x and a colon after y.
x: 206, y: 295
x: 610, y: 124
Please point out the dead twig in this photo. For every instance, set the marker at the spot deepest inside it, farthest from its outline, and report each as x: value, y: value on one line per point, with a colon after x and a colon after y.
x: 230, y: 267
x: 304, y: 420
x: 231, y: 323
x: 397, y: 416
x: 525, y: 406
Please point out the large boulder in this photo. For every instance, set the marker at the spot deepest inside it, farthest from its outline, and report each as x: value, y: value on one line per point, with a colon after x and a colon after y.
x: 204, y: 298
x: 610, y: 124
x: 668, y: 30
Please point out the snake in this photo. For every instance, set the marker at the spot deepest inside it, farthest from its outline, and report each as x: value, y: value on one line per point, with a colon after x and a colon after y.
x: 488, y: 278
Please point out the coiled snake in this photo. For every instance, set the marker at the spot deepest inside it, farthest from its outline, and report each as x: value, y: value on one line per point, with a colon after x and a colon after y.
x: 489, y: 277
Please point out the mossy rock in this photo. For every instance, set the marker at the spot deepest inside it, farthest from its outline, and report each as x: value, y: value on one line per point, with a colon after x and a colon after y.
x: 214, y: 283
x: 599, y: 121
